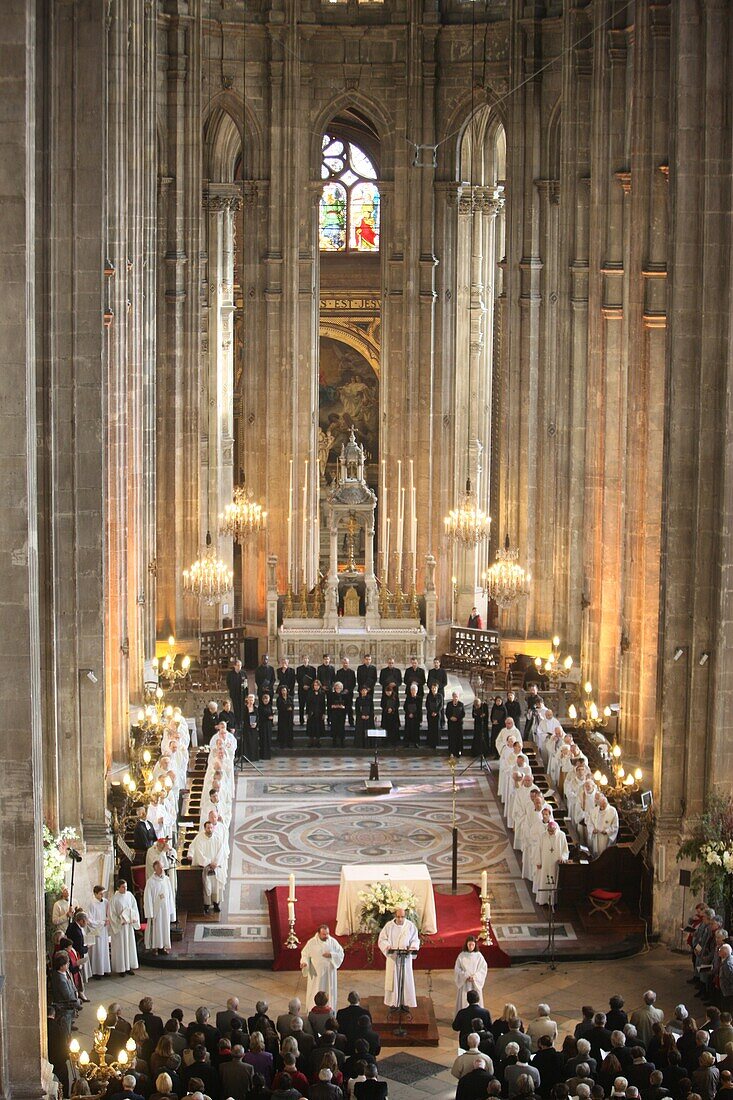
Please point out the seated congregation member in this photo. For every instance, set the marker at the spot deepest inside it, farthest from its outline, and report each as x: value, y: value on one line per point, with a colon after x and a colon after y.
x: 261, y: 1022
x: 284, y: 1089
x: 513, y: 1035
x: 541, y: 1025
x: 285, y: 718
x: 475, y: 1084
x: 201, y: 1069
x: 500, y: 1025
x: 549, y: 1064
x: 298, y: 1080
x: 321, y: 1010
x: 465, y: 1062
x: 284, y: 1022
x: 259, y: 1059
x: 370, y: 1089
x: 361, y: 1056
x: 349, y: 1016
x: 515, y: 1076
x: 236, y: 1075
x: 364, y: 1030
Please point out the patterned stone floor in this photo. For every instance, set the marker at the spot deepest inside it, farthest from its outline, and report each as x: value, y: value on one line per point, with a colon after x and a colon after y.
x: 310, y: 816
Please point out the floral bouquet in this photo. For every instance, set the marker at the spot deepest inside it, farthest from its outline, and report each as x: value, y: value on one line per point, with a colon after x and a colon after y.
x: 709, y: 846
x: 379, y: 901
x: 55, y: 858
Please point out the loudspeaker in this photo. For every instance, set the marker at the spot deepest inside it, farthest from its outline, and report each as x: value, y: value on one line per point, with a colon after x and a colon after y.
x: 685, y: 877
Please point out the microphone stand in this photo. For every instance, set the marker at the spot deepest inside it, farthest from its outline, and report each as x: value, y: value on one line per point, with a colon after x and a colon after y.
x: 551, y: 922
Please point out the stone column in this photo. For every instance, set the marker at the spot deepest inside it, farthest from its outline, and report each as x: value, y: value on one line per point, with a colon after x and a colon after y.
x: 22, y: 951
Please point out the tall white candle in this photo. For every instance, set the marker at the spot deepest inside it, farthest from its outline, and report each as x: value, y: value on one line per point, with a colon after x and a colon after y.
x: 383, y: 507
x: 290, y: 525
x: 386, y: 552
x: 304, y: 547
x: 484, y: 884
x: 291, y: 887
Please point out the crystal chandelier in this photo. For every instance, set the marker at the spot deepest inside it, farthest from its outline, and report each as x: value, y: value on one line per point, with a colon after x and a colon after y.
x: 506, y: 581
x: 467, y: 524
x: 209, y: 578
x: 243, y: 517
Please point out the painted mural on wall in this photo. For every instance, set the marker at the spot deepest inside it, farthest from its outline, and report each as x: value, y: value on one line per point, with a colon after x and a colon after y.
x: 348, y: 393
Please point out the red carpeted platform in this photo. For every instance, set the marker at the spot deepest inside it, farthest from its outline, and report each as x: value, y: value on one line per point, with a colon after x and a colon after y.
x: 457, y: 916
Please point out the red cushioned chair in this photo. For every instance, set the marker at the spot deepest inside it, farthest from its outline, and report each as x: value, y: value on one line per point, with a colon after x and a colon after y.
x: 605, y: 901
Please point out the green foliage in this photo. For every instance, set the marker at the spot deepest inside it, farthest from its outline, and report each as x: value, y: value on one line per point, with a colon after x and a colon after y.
x: 710, y: 847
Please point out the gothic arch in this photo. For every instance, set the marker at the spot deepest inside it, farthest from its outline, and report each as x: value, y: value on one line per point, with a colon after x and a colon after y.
x: 224, y: 111
x: 369, y: 107
x: 552, y: 146
x: 362, y: 339
x: 449, y: 149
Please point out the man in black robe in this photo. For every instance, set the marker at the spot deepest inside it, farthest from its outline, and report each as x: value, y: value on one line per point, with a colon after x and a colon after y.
x: 415, y: 674
x: 265, y: 678
x: 326, y: 673
x: 513, y: 708
x: 438, y: 675
x: 305, y: 674
x: 145, y: 835
x: 366, y: 674
x: 227, y: 716
x: 390, y: 674
x: 286, y: 677
x: 455, y: 713
x: 237, y: 687
x: 413, y: 715
x: 347, y: 676
x: 337, y: 712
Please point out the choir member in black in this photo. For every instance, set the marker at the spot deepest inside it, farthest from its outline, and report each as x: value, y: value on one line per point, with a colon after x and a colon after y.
x: 413, y: 716
x: 286, y: 677
x: 237, y: 688
x: 366, y: 674
x: 474, y: 619
x: 438, y: 675
x: 513, y: 708
x: 415, y: 675
x: 534, y: 702
x: 208, y: 722
x: 480, y: 715
x: 305, y: 674
x: 497, y: 717
x: 265, y: 678
x: 227, y: 715
x: 326, y: 673
x: 455, y: 712
x: 390, y: 675
x: 316, y: 710
x: 435, y: 711
x: 364, y: 708
x: 285, y: 718
x: 390, y: 706
x: 337, y: 712
x: 264, y: 726
x: 347, y: 676
x: 250, y: 740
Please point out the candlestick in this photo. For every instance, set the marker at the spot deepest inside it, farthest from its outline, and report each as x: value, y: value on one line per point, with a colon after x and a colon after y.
x: 291, y: 940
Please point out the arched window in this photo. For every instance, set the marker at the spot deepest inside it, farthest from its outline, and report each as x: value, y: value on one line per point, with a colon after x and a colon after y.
x: 348, y: 219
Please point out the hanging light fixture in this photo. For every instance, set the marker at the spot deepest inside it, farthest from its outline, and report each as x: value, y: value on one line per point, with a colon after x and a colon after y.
x: 209, y: 578
x: 468, y: 524
x: 506, y: 581
x: 242, y: 518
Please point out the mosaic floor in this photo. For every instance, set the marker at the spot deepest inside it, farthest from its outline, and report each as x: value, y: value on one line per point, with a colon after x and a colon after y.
x: 309, y: 816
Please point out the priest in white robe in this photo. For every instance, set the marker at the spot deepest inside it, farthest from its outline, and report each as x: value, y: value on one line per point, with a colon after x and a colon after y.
x: 533, y: 834
x: 320, y: 960
x: 502, y: 739
x: 124, y: 921
x: 224, y: 740
x: 97, y: 933
x: 161, y: 816
x: 552, y: 850
x: 164, y: 852
x: 522, y: 805
x: 602, y: 826
x: 399, y: 934
x: 470, y: 972
x: 62, y: 912
x: 521, y: 771
x: 208, y: 851
x: 160, y: 910
x: 507, y: 764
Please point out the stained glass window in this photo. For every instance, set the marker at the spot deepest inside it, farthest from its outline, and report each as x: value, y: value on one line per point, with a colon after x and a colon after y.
x: 349, y: 207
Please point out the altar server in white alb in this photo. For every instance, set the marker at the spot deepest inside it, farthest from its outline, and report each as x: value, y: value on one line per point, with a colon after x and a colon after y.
x: 208, y: 850
x: 399, y: 934
x: 319, y: 961
x: 124, y: 921
x: 97, y: 932
x: 160, y: 909
x: 552, y: 850
x: 470, y: 973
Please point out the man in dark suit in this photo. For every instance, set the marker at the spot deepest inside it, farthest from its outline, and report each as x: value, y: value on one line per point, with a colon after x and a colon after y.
x: 75, y: 932
x: 390, y: 674
x: 286, y: 676
x: 364, y: 1030
x: 236, y: 1076
x: 145, y: 836
x: 153, y: 1024
x: 224, y: 1019
x: 237, y: 688
x: 129, y: 1088
x: 415, y: 675
x: 305, y: 674
x: 205, y: 1072
x: 463, y: 1022
x: 366, y: 674
x: 371, y: 1088
x: 549, y: 1064
x: 347, y: 1017
x: 201, y: 1024
x: 640, y: 1070
x: 599, y: 1037
x: 326, y: 673
x: 265, y: 677
x: 473, y: 1085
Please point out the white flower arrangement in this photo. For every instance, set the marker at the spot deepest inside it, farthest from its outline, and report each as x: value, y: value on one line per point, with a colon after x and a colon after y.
x: 54, y: 858
x: 379, y: 901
